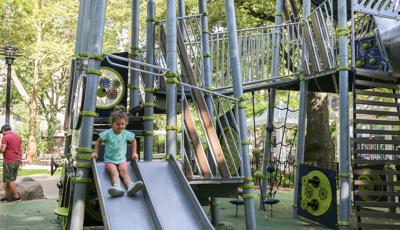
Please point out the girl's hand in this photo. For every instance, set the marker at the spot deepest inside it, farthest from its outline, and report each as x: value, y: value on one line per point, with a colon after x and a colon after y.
x: 134, y: 156
x: 95, y: 155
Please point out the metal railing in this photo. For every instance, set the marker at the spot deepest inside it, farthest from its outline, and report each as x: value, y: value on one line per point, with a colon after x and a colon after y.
x: 256, y: 47
x: 387, y: 9
x: 159, y: 70
x: 226, y: 124
x: 320, y: 39
x: 191, y: 32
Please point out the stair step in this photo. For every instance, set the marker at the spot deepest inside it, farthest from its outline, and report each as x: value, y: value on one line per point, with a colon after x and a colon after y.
x: 376, y: 94
x: 378, y: 226
x: 376, y: 76
x: 378, y: 132
x: 376, y: 73
x: 378, y: 214
x: 374, y: 172
x: 377, y: 103
x: 377, y: 204
x: 376, y: 122
x: 377, y: 112
x: 376, y: 162
x: 376, y: 193
x: 376, y: 182
x: 383, y: 152
x: 375, y: 84
x: 375, y: 141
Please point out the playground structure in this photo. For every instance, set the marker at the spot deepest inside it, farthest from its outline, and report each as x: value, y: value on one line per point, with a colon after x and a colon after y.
x: 307, y: 52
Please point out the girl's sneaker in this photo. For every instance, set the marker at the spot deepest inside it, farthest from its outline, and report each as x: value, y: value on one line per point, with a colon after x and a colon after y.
x: 116, y: 190
x: 134, y: 187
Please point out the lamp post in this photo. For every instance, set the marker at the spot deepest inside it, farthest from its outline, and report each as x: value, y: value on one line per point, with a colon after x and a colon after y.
x: 9, y: 52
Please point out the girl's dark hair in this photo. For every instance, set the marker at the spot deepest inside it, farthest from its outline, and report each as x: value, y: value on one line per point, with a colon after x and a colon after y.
x: 118, y: 113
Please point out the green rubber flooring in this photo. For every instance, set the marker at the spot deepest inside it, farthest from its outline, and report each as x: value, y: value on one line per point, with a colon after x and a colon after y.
x: 38, y: 214
x: 28, y: 215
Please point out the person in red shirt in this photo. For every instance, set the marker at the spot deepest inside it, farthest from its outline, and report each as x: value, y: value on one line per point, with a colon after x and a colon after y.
x: 12, y: 151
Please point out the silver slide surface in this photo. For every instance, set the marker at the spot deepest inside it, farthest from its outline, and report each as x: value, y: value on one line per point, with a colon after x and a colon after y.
x: 389, y: 31
x: 166, y: 202
x: 124, y: 212
x: 175, y: 202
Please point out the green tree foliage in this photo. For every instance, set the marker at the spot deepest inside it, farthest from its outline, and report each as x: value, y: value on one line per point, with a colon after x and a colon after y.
x: 44, y: 30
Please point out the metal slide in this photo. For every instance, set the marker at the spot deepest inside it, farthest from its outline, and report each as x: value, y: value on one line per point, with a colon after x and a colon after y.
x: 166, y: 202
x: 174, y: 199
x: 389, y: 32
x: 136, y: 212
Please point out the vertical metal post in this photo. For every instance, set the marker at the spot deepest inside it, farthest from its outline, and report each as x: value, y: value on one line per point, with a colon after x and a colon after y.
x: 9, y: 62
x: 172, y: 77
x: 267, y: 143
x: 271, y: 105
x: 300, y: 140
x: 78, y: 41
x: 344, y: 166
x: 149, y: 85
x: 238, y: 93
x: 182, y: 13
x: 254, y: 120
x: 86, y: 23
x: 207, y: 75
x: 85, y: 139
x: 182, y: 27
x: 134, y: 96
x: 301, y: 132
x: 80, y: 47
x: 81, y: 43
x: 353, y: 40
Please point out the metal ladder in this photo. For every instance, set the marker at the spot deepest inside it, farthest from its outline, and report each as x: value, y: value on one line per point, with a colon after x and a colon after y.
x: 376, y: 155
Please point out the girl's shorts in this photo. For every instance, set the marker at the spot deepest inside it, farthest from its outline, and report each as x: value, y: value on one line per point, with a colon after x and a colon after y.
x: 110, y: 164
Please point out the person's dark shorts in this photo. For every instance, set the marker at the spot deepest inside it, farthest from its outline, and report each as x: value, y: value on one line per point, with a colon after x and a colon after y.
x: 10, y: 172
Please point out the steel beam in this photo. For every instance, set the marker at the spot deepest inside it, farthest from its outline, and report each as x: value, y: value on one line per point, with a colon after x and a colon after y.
x: 238, y: 93
x: 86, y: 132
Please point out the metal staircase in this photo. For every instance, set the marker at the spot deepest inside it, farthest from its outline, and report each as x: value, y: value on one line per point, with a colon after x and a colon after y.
x: 376, y: 153
x: 210, y: 150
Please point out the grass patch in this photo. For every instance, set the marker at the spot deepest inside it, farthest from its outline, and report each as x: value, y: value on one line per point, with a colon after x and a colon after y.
x: 37, y: 172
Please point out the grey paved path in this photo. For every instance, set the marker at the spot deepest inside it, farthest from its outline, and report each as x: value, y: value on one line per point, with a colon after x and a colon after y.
x: 28, y: 215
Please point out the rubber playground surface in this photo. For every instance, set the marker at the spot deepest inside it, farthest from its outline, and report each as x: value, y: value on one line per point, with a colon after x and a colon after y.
x: 37, y: 214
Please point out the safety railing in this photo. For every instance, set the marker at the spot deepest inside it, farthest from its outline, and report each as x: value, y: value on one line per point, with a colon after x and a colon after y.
x: 364, y: 25
x: 191, y: 32
x: 158, y: 70
x: 256, y: 53
x: 320, y: 39
x: 387, y: 9
x: 198, y: 158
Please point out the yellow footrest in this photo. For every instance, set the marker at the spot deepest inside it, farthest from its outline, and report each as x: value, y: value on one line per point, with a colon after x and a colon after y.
x: 60, y: 211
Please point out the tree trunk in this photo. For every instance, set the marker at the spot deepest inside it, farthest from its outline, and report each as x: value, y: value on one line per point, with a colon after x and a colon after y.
x: 319, y: 147
x: 31, y: 149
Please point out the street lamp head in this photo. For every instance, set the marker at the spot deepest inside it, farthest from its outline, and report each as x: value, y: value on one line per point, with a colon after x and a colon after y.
x: 9, y: 52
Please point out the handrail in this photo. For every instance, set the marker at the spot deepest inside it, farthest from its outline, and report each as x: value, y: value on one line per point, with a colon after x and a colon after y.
x: 210, y: 92
x: 258, y: 28
x: 184, y: 17
x: 108, y: 56
x: 320, y: 6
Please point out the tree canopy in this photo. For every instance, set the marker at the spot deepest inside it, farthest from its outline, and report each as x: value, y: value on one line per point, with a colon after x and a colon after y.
x: 44, y: 31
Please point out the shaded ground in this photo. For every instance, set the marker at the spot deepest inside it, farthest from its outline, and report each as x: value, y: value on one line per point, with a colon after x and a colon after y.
x: 28, y: 215
x: 282, y: 215
x: 38, y: 214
